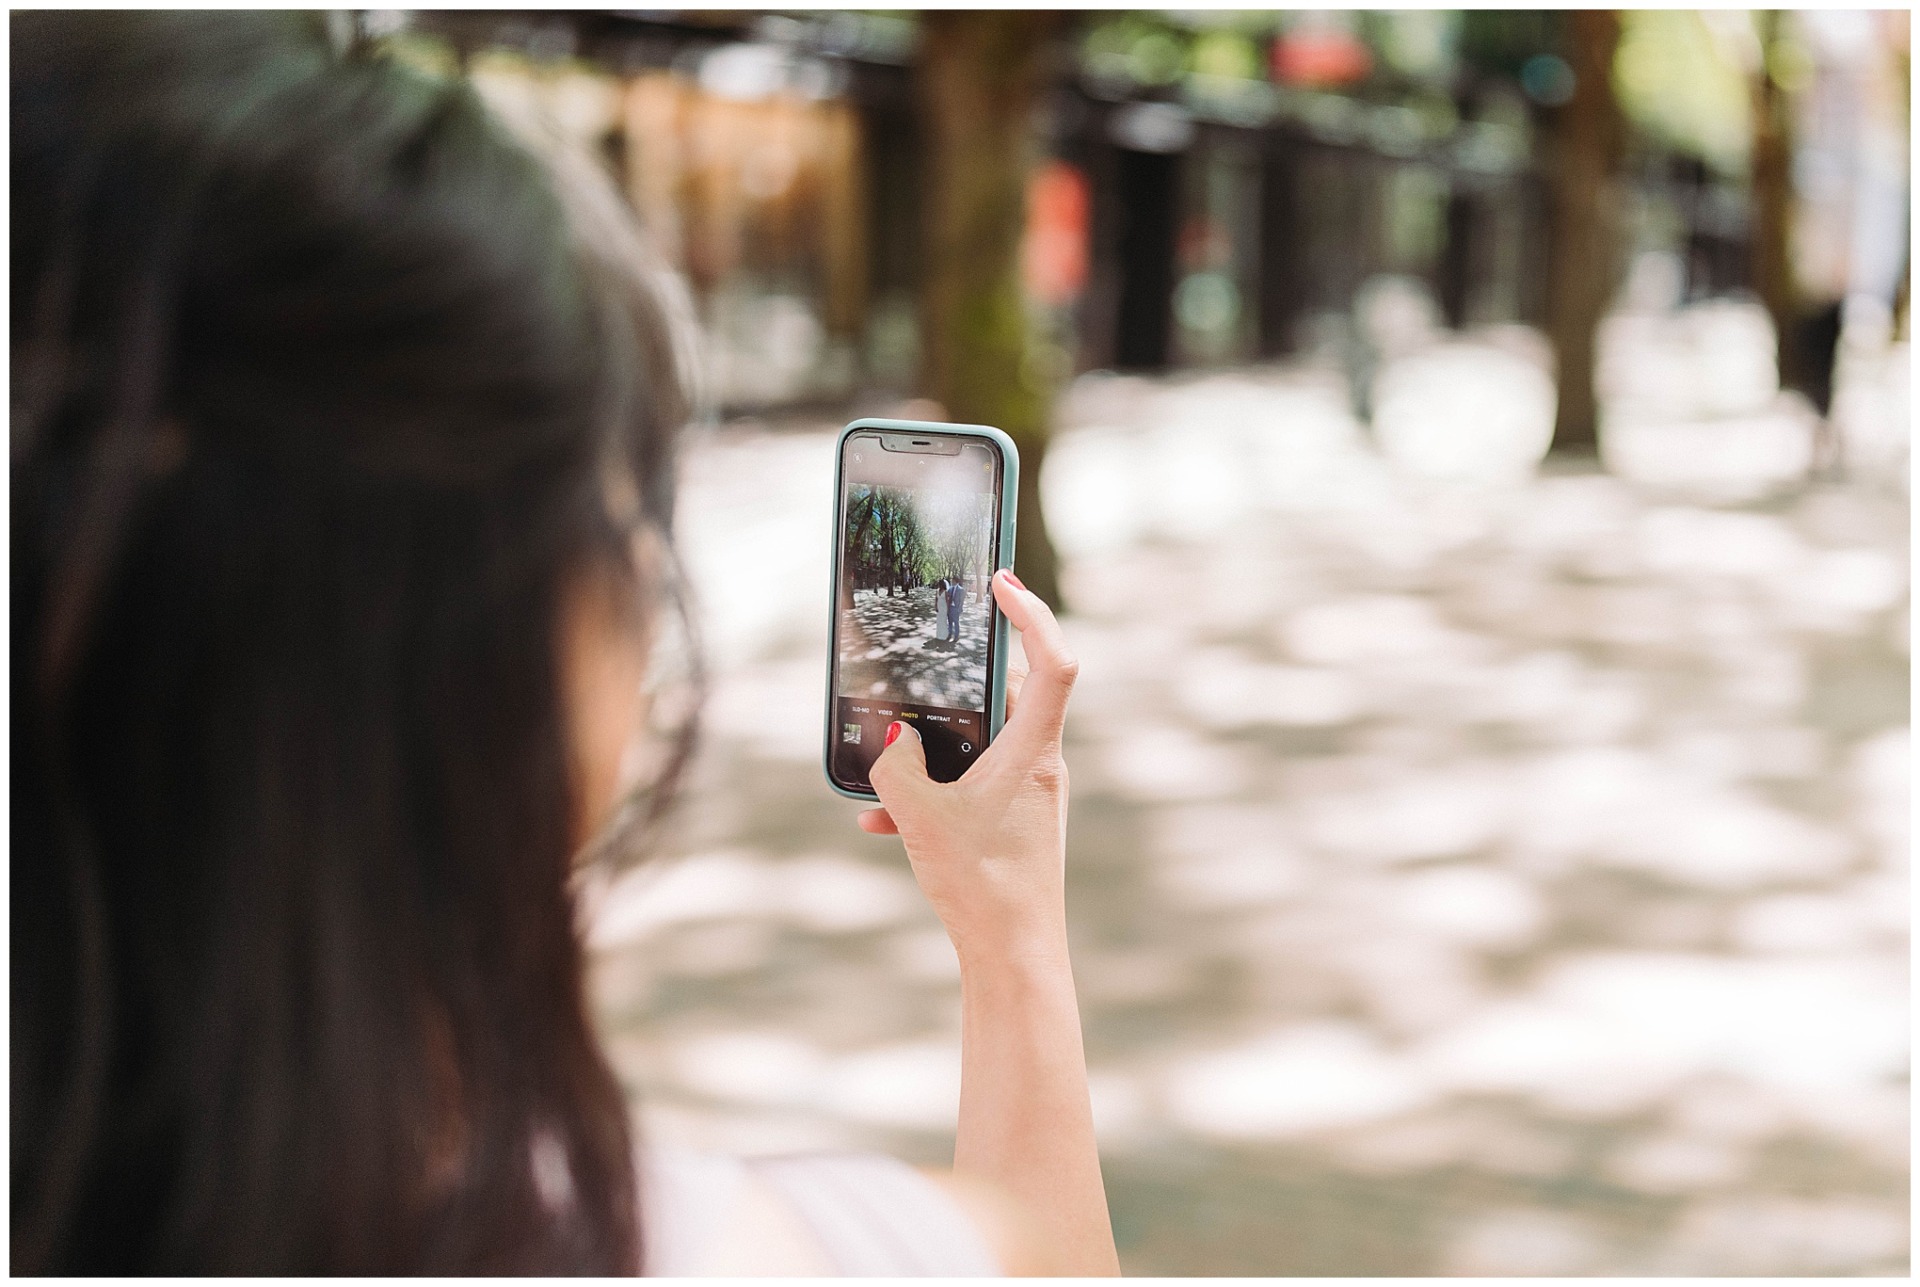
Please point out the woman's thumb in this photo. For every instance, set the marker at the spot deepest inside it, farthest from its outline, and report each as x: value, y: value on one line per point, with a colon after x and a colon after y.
x: 902, y: 765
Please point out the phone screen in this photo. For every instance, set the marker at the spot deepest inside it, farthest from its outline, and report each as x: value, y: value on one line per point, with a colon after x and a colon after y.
x: 913, y: 626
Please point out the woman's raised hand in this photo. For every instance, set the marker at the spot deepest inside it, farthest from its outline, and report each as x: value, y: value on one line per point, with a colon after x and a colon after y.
x: 989, y: 850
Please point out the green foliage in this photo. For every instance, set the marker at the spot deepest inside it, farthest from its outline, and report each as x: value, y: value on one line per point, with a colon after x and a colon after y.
x: 424, y: 53
x: 898, y: 540
x: 1418, y: 43
x: 1163, y: 47
x: 1498, y: 42
x: 1416, y: 198
x: 1246, y: 22
x: 1683, y: 86
x: 1139, y: 47
x: 1229, y: 55
x: 1789, y: 63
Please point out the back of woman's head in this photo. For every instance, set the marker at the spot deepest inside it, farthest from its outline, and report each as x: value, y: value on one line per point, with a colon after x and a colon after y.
x: 324, y: 401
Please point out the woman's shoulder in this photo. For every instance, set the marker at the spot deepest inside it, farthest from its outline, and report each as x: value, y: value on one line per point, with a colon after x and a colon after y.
x: 841, y: 1214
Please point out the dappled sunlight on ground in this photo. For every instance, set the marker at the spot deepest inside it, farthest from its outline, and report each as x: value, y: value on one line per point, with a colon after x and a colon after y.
x: 894, y: 647
x: 1483, y: 872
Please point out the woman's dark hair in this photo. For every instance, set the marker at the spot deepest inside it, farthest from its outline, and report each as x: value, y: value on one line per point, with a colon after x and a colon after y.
x: 325, y: 397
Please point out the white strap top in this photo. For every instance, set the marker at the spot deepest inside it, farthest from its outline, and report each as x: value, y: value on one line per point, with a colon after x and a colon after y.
x: 869, y: 1215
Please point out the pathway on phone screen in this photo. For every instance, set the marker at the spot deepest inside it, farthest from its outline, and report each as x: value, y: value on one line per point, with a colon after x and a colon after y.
x: 893, y: 647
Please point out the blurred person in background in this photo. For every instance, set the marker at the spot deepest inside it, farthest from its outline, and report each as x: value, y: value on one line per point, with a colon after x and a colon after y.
x: 342, y: 462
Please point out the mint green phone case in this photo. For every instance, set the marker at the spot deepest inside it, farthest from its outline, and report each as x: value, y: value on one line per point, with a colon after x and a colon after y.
x: 1009, y: 496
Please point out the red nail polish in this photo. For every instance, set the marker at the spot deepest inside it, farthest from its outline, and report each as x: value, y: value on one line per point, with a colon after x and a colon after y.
x: 1013, y: 580
x: 893, y: 731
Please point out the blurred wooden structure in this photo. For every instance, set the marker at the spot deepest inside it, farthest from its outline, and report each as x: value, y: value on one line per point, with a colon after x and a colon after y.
x: 774, y: 187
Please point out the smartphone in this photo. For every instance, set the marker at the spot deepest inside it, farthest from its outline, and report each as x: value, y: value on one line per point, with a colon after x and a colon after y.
x: 923, y: 517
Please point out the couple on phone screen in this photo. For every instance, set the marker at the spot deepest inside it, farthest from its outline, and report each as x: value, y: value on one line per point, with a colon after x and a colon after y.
x: 949, y: 596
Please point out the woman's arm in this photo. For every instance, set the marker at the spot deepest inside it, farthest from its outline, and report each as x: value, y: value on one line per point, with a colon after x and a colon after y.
x: 990, y: 853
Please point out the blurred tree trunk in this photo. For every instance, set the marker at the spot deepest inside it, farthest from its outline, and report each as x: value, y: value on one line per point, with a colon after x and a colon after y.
x: 1806, y: 331
x: 1586, y: 135
x: 1772, y: 191
x: 979, y: 74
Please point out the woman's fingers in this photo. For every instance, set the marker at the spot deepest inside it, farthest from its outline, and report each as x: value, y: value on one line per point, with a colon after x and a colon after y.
x: 1051, y: 665
x: 899, y: 775
x: 877, y: 822
x: 1037, y: 692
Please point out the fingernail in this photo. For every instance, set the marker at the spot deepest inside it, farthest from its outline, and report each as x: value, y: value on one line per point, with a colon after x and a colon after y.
x: 893, y: 731
x: 1013, y: 580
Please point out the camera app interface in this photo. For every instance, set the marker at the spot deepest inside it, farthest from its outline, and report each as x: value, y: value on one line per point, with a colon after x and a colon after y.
x: 919, y: 529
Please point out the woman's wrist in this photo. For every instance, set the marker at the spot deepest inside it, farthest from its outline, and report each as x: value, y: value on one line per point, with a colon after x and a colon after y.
x: 1037, y: 956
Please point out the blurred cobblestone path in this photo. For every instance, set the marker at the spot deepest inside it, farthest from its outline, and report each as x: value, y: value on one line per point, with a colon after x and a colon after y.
x: 1465, y: 878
